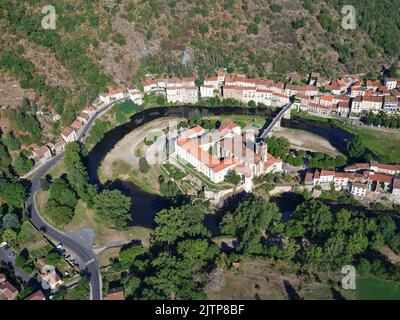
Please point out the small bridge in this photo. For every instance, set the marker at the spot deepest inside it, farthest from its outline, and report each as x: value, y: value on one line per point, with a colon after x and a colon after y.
x: 265, y: 131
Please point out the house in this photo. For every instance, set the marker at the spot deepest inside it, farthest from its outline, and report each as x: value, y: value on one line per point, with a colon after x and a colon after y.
x: 356, y: 91
x: 89, y: 110
x: 36, y: 296
x: 184, y: 94
x: 112, y: 95
x: 212, y: 81
x: 104, y: 97
x: 343, y: 109
x: 396, y: 187
x: 68, y: 134
x: 136, y: 96
x: 390, y: 83
x: 373, y: 85
x: 342, y: 180
x: 324, y: 100
x: 150, y: 86
x: 76, y: 125
x: 42, y: 154
x: 357, y: 167
x: 233, y: 92
x: 59, y: 147
x: 7, y: 290
x: 208, y: 91
x: 115, y: 94
x: 279, y: 99
x: 221, y: 76
x: 380, y: 181
x: 263, y: 96
x: 372, y: 104
x: 316, y: 80
x: 319, y: 108
x: 116, y: 294
x: 264, y: 84
x: 52, y: 279
x: 391, y: 169
x: 359, y: 189
x: 390, y: 105
x: 383, y: 91
x: 84, y: 117
x: 356, y: 105
x: 291, y: 90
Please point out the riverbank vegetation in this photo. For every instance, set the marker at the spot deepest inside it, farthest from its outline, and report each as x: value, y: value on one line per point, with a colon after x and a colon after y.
x: 280, y: 148
x: 314, y: 243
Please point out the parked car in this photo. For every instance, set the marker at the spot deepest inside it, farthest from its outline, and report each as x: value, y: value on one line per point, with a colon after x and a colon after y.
x: 3, y: 245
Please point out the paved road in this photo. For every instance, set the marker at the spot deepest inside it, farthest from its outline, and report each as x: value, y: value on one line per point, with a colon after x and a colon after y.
x: 86, y: 257
x: 275, y: 121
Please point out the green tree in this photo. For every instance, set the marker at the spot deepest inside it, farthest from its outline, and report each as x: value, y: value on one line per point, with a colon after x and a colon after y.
x: 198, y: 253
x: 248, y: 223
x: 11, y: 141
x: 77, y: 173
x: 143, y: 165
x: 9, y: 236
x: 53, y: 258
x: 61, y: 192
x: 112, y: 206
x: 177, y: 223
x: 11, y: 221
x: 22, y: 164
x: 355, y: 147
x: 233, y: 178
x: 316, y: 216
x: 14, y: 194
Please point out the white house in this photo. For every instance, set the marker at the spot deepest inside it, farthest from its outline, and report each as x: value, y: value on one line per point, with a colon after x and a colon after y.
x: 396, y: 187
x: 136, y: 96
x: 208, y: 91
x: 359, y: 189
x: 182, y: 94
x: 390, y: 105
x: 59, y: 146
x: 391, y: 83
x: 42, y: 154
x: 68, y: 134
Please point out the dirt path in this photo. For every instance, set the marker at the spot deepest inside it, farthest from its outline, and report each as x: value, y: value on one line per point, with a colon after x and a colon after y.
x: 304, y: 140
x: 125, y: 149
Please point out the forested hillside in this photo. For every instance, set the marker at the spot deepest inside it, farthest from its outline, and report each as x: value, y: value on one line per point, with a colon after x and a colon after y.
x: 97, y: 43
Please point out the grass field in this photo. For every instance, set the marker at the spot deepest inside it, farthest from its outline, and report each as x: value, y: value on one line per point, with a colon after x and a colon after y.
x: 384, y: 143
x: 375, y: 289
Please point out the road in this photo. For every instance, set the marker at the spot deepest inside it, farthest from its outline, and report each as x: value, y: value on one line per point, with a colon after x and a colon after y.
x: 278, y: 118
x: 87, y: 258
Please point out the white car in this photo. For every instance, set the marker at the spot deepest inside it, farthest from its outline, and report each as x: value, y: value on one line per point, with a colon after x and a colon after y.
x: 3, y: 244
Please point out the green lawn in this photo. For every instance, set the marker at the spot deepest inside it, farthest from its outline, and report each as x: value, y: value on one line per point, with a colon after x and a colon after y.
x: 173, y: 171
x: 28, y: 234
x: 375, y: 289
x: 383, y: 143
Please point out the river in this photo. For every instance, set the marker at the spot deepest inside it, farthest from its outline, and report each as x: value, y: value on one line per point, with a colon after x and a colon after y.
x: 146, y: 205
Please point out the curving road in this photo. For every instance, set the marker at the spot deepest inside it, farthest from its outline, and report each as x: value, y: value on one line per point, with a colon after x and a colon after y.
x: 87, y: 258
